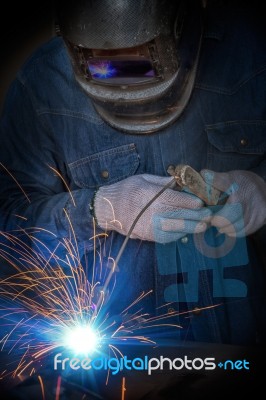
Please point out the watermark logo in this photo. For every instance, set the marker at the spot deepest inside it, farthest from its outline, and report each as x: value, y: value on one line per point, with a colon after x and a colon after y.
x: 197, y: 252
x: 145, y: 363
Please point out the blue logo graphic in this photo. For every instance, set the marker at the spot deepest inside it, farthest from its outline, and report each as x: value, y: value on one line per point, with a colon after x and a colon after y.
x: 197, y: 255
x: 234, y: 365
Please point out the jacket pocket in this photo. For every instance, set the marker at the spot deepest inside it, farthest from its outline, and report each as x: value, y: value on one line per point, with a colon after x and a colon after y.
x: 106, y: 167
x: 236, y: 144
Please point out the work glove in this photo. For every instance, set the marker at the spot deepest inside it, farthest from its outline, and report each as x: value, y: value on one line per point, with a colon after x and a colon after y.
x: 168, y: 218
x: 244, y: 211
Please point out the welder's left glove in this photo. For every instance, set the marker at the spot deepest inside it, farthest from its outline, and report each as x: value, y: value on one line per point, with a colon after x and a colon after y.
x: 245, y: 209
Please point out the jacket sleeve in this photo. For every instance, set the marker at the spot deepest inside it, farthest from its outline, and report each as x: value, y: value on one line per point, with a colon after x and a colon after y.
x: 36, y: 203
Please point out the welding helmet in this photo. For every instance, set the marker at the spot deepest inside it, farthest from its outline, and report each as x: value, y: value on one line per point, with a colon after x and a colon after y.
x: 136, y: 60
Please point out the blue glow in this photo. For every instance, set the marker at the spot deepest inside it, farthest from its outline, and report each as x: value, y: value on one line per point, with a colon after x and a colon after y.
x: 103, y: 69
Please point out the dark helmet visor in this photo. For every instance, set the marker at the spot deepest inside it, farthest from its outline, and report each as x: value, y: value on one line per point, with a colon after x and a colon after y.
x: 139, y: 83
x: 121, y: 71
x: 130, y: 66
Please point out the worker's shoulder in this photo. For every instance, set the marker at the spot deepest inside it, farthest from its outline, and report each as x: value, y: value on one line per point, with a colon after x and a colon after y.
x: 233, y: 50
x: 47, y: 58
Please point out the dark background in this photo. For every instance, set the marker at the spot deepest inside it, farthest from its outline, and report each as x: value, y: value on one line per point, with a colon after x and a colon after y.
x: 23, y: 27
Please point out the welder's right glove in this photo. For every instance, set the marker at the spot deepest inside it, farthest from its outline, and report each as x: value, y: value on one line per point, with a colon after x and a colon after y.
x: 171, y: 216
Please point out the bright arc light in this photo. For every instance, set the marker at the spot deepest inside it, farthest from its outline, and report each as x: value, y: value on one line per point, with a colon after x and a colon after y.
x: 81, y: 340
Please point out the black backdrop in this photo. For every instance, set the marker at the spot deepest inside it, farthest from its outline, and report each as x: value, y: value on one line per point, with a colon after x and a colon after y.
x: 23, y: 27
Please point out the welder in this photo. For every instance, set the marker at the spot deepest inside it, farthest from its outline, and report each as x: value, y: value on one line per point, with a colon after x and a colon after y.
x: 98, y: 116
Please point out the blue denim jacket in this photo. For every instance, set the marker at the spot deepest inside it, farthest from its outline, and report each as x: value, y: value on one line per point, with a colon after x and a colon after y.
x: 57, y: 148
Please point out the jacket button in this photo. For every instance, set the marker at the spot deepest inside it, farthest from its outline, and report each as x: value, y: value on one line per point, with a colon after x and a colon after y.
x: 243, y: 142
x: 184, y: 240
x: 105, y: 174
